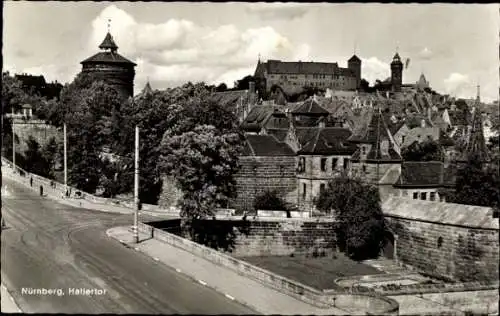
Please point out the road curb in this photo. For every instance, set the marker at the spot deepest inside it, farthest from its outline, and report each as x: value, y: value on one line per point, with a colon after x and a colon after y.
x: 194, y: 279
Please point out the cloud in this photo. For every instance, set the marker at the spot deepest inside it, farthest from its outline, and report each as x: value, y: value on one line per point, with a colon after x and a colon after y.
x: 373, y: 68
x: 425, y: 54
x: 277, y: 10
x: 176, y: 51
x: 458, y: 85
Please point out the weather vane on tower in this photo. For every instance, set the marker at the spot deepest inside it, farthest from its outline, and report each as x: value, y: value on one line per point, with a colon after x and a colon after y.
x: 109, y: 25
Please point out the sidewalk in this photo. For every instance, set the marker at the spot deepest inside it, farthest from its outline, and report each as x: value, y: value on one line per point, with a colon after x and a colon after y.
x: 8, y: 305
x: 57, y: 196
x: 242, y: 289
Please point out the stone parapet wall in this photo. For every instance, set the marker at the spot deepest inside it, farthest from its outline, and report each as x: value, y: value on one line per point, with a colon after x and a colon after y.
x: 456, y: 252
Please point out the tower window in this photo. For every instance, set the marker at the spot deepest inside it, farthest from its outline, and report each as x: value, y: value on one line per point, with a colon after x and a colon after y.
x: 304, y: 187
x: 415, y: 195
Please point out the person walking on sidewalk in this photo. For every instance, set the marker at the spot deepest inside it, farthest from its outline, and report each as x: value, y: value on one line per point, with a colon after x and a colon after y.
x: 31, y: 181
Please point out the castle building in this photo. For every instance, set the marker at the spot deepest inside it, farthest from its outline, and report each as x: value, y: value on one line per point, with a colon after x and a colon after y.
x: 292, y: 76
x: 111, y: 67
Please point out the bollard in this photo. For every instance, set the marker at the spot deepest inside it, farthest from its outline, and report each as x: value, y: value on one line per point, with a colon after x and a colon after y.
x: 41, y: 190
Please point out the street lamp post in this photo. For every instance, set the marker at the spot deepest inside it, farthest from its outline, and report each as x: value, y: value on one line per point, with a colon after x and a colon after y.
x: 13, y: 143
x: 136, y: 186
x: 65, y: 164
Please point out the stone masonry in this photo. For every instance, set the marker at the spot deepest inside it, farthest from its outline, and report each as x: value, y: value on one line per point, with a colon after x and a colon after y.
x: 260, y: 173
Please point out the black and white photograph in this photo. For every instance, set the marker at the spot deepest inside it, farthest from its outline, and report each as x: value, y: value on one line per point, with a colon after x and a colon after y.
x: 247, y: 158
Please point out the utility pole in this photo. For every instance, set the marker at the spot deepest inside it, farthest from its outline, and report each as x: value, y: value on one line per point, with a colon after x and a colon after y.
x: 65, y: 163
x: 136, y: 186
x: 13, y: 143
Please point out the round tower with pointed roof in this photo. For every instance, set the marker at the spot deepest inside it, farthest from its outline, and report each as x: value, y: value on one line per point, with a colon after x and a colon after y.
x: 354, y: 63
x: 396, y: 73
x: 111, y: 67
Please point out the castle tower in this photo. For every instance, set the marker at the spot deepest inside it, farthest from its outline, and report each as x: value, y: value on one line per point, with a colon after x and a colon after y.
x: 396, y: 73
x: 354, y: 63
x: 111, y: 67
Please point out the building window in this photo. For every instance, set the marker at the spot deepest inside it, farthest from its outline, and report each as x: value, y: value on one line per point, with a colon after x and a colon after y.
x: 415, y: 195
x: 363, y: 150
x: 423, y: 196
x: 432, y: 196
x: 321, y: 188
x: 323, y: 164
x: 346, y: 163
x: 334, y: 163
x: 364, y: 169
x: 304, y: 187
x: 402, y: 139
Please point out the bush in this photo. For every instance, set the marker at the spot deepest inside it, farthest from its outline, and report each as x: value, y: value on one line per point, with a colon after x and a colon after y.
x: 269, y: 200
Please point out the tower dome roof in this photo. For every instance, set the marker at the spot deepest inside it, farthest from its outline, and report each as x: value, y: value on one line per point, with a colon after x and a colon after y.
x: 108, y: 43
x: 396, y: 59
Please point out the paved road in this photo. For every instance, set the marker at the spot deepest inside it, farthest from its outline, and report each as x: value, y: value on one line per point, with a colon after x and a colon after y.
x: 53, y: 246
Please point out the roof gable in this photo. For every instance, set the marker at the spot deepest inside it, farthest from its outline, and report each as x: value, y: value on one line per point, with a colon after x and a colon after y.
x: 310, y: 107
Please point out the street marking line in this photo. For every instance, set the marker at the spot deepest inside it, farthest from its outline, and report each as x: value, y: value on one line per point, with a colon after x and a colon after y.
x: 229, y: 297
x: 202, y: 282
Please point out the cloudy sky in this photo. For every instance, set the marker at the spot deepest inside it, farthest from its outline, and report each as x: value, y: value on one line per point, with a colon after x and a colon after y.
x: 454, y: 45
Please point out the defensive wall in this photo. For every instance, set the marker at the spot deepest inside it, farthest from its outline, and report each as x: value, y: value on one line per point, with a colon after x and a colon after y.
x: 41, y: 132
x: 445, y: 240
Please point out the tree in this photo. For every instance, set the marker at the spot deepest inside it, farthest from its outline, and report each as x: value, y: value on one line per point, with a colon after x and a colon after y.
x: 428, y: 150
x: 222, y: 87
x: 35, y: 162
x: 50, y: 153
x: 477, y: 184
x: 203, y: 162
x: 88, y: 107
x: 356, y: 205
x: 243, y: 83
x: 200, y: 150
x: 270, y: 200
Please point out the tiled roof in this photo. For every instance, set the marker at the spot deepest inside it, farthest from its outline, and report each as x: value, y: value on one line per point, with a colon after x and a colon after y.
x: 107, y: 57
x: 421, y: 174
x: 325, y: 141
x: 266, y: 145
x: 279, y: 133
x: 354, y: 58
x: 311, y: 107
x: 446, y: 213
x: 257, y: 117
x: 30, y: 80
x: 279, y: 67
x: 419, y: 134
x: 376, y: 134
x: 231, y: 97
x: 394, y: 128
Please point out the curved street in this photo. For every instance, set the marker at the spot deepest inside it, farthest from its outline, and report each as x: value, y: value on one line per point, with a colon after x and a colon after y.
x: 50, y: 246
